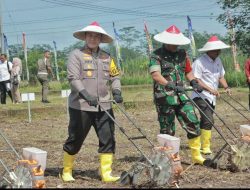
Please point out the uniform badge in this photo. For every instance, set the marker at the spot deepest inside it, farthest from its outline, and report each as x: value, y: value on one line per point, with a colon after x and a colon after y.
x: 89, y: 66
x: 89, y: 73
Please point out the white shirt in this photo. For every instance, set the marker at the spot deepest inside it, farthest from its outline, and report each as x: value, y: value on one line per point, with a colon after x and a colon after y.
x: 4, y: 73
x: 209, y: 71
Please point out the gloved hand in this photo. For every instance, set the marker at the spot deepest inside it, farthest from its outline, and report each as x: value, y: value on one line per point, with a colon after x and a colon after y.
x: 196, y: 86
x: 172, y: 86
x: 91, y: 100
x: 117, y: 95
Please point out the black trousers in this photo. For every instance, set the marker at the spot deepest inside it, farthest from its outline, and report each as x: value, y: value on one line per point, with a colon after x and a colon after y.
x: 204, y: 122
x: 4, y: 90
x: 79, y: 126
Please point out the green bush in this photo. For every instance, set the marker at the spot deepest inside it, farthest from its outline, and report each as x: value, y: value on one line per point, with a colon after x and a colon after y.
x: 135, y: 72
x: 234, y: 78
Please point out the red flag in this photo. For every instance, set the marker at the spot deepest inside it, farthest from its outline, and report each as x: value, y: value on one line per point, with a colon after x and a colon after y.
x: 25, y: 54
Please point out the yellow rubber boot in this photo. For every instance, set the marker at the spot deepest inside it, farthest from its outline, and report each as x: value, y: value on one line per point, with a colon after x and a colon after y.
x: 205, y: 141
x: 106, y: 160
x: 195, y: 145
x: 68, y: 161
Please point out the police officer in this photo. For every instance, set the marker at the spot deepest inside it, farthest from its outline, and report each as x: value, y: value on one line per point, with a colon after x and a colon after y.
x: 91, y: 72
x: 169, y: 66
x: 44, y: 69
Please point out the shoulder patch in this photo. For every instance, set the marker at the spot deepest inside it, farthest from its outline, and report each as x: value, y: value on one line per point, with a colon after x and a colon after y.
x: 114, y: 71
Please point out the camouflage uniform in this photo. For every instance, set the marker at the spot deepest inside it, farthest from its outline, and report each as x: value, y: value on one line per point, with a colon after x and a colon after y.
x: 173, y: 67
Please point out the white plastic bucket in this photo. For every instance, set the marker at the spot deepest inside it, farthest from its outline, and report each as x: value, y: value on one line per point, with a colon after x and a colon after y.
x: 168, y: 140
x: 32, y: 153
x: 245, y: 130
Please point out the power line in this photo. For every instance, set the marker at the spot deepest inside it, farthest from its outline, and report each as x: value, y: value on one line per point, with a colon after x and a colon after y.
x: 101, y: 14
x: 115, y: 10
x: 31, y: 9
x: 138, y: 15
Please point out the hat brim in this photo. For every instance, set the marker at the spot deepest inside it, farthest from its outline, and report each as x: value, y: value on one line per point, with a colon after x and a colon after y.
x: 217, y: 45
x: 81, y: 34
x: 173, y: 39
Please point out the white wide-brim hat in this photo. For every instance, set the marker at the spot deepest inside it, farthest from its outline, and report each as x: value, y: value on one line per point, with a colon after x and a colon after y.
x: 93, y: 27
x: 213, y: 44
x: 173, y: 36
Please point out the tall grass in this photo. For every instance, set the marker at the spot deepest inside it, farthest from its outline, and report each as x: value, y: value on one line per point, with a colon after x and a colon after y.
x: 135, y: 72
x: 234, y: 78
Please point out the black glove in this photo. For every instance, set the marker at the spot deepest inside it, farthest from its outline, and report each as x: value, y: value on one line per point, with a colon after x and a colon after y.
x: 196, y: 86
x: 117, y: 95
x: 172, y: 86
x: 91, y: 100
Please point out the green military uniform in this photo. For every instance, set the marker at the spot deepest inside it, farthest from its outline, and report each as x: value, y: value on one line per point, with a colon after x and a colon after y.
x: 169, y: 104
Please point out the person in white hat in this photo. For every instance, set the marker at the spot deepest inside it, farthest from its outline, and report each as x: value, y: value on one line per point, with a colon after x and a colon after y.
x: 169, y: 66
x: 209, y: 72
x: 91, y: 74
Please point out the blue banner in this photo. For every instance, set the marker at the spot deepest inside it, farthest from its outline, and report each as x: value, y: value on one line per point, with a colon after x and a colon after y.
x: 118, y: 48
x: 191, y: 37
x: 6, y: 47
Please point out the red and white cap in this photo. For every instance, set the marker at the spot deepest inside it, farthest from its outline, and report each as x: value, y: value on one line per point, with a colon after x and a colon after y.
x: 93, y: 27
x: 213, y: 44
x: 173, y: 36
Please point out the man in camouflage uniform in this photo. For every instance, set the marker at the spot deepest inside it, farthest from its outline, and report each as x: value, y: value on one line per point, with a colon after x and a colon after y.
x: 168, y: 67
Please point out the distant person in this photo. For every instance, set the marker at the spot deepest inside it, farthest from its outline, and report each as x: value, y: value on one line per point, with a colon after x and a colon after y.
x: 93, y: 77
x: 16, y: 79
x: 169, y: 67
x: 209, y: 72
x: 5, y: 71
x: 44, y: 69
x: 247, y: 73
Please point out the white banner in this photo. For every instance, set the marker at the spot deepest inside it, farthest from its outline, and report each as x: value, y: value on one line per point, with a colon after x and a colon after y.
x: 65, y: 93
x: 28, y: 97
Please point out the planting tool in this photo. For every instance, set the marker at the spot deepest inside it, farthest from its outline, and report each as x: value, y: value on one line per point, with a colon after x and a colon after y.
x: 234, y: 107
x: 237, y: 153
x: 231, y: 97
x: 20, y: 176
x: 162, y: 167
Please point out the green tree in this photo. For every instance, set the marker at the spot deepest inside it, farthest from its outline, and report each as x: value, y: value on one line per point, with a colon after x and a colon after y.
x: 239, y: 13
x: 130, y: 37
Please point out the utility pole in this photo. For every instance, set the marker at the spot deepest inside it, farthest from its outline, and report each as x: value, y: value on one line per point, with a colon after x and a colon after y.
x: 57, y: 74
x: 56, y: 65
x: 233, y: 42
x: 1, y: 26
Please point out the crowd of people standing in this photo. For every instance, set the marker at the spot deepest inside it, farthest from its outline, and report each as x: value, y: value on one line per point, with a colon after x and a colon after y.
x: 10, y: 73
x: 10, y: 77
